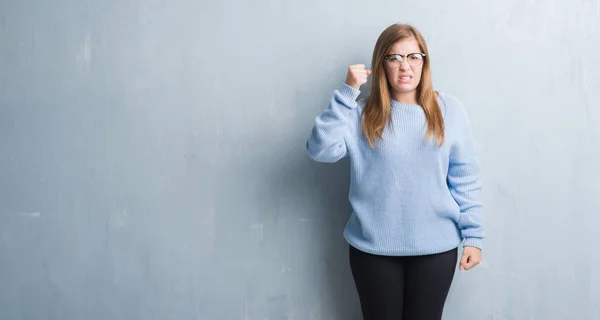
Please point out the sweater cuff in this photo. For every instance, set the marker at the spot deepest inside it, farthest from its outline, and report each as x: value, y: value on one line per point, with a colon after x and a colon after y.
x: 473, y: 242
x: 349, y: 94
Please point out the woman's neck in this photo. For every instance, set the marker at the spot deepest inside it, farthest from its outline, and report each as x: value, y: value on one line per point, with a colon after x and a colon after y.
x: 406, y: 97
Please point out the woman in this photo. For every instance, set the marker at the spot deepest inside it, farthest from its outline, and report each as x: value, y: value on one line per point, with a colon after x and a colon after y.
x: 415, y: 188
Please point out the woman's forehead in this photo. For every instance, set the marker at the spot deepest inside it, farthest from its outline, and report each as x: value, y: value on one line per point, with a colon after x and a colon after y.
x: 405, y: 46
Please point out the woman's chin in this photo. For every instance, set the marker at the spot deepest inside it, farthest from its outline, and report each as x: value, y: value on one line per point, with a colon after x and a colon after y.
x: 404, y: 88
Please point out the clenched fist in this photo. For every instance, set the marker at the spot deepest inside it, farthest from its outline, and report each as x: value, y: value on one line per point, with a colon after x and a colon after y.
x: 357, y: 75
x: 470, y: 258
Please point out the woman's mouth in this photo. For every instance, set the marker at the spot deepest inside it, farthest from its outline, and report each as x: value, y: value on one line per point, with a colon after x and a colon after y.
x: 405, y: 78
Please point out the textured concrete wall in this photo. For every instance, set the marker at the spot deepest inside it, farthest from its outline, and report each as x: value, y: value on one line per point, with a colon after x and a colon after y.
x: 152, y: 161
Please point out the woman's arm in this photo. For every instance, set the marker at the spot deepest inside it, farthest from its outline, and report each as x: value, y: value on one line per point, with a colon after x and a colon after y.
x: 464, y: 183
x: 326, y: 141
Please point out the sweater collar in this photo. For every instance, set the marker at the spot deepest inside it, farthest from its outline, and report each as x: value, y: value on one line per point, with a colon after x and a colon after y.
x: 409, y: 106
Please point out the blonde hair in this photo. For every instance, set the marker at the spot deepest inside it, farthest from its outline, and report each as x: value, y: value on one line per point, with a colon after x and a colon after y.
x: 377, y: 112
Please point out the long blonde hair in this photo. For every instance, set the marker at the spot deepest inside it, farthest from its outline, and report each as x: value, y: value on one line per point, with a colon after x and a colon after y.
x: 377, y: 112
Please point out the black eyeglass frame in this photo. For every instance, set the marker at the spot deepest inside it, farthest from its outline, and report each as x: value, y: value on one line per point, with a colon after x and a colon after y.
x: 387, y: 57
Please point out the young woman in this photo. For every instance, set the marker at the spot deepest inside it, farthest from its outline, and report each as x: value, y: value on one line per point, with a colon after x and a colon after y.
x: 415, y: 187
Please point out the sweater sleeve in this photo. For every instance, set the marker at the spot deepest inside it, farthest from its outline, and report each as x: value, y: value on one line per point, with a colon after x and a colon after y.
x: 465, y: 185
x: 326, y: 141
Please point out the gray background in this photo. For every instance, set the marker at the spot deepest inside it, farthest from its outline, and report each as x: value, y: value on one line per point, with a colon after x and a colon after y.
x: 152, y: 161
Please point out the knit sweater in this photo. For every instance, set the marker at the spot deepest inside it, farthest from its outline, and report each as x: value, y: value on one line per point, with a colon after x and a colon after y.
x: 408, y: 195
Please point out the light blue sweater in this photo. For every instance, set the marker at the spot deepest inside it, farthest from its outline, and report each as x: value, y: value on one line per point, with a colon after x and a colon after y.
x: 408, y: 195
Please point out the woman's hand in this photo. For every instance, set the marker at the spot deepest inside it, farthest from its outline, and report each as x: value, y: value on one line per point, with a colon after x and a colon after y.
x: 470, y: 258
x: 357, y: 75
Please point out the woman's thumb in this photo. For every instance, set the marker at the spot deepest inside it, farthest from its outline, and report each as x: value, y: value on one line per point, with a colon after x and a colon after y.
x: 464, y: 261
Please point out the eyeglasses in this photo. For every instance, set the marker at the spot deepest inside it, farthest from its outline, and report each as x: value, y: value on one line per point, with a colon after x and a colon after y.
x: 413, y: 59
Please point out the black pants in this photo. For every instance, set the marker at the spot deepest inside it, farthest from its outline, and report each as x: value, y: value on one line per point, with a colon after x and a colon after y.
x: 403, y: 288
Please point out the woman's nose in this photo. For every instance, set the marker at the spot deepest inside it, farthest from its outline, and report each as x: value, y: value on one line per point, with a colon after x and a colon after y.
x: 404, y: 65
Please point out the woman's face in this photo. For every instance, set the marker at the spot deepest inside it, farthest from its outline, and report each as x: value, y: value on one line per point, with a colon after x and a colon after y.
x: 404, y: 76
